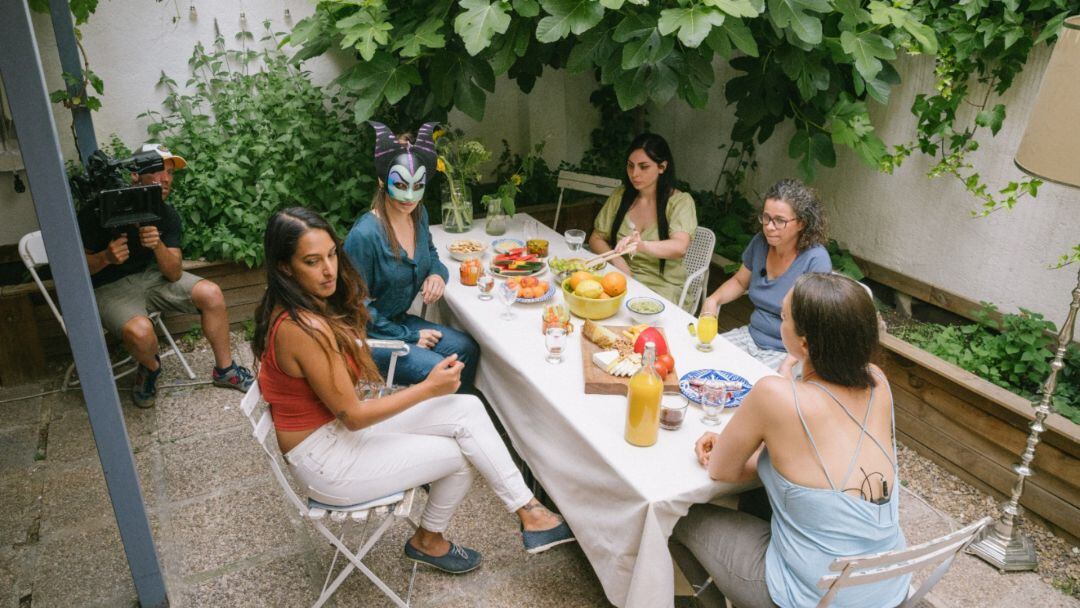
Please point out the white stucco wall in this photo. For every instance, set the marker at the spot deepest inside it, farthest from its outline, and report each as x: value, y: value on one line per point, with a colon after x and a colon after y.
x: 923, y: 227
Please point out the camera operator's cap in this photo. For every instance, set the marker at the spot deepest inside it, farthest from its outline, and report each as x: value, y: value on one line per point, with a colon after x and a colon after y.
x: 178, y: 162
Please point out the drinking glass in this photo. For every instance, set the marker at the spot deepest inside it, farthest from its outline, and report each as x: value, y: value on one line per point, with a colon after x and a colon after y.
x: 713, y: 399
x: 530, y: 230
x: 706, y: 331
x: 672, y: 411
x: 574, y: 239
x: 507, y: 295
x: 486, y: 284
x: 555, y: 341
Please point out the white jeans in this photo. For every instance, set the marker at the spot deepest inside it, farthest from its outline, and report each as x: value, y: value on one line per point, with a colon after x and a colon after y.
x: 432, y: 442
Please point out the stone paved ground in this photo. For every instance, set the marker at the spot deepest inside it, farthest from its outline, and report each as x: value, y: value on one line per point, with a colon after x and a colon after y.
x: 226, y: 537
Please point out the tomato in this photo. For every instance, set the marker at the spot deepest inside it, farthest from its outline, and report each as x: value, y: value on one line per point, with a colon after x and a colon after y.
x: 667, y: 360
x: 660, y: 369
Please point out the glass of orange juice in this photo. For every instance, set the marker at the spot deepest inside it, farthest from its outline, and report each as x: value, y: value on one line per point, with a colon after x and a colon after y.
x: 706, y: 331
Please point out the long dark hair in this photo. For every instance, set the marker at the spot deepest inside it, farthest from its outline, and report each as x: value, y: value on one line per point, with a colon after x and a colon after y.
x: 838, y: 319
x: 657, y: 149
x: 344, y: 311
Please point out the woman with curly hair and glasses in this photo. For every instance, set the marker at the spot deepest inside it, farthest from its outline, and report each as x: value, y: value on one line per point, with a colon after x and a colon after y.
x: 791, y: 243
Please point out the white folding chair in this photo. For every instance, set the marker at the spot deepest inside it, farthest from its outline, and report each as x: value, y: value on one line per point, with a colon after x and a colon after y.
x: 32, y: 252
x: 393, y: 508
x: 864, y: 569
x: 582, y: 182
x: 697, y: 260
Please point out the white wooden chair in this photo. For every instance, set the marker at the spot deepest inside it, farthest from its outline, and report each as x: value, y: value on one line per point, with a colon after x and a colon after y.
x: 864, y: 569
x: 391, y: 509
x: 582, y: 182
x: 698, y: 257
x: 32, y: 252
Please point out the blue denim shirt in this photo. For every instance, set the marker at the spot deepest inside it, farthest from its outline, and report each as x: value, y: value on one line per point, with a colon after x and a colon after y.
x: 392, y: 281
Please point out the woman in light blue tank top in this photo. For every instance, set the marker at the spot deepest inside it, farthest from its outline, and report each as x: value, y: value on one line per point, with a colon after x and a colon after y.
x: 824, y: 449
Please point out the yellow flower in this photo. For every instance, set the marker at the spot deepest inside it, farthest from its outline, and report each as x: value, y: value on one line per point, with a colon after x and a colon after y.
x: 516, y: 179
x: 440, y: 166
x: 437, y: 134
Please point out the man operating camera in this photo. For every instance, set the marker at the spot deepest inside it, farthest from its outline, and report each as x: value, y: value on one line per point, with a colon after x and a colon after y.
x: 138, y: 269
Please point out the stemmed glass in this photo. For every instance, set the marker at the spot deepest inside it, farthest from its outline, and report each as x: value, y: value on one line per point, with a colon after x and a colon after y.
x: 555, y: 341
x: 714, y: 398
x: 507, y: 295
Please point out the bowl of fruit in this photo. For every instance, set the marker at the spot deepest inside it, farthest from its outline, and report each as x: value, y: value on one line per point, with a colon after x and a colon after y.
x: 532, y: 289
x: 594, y: 297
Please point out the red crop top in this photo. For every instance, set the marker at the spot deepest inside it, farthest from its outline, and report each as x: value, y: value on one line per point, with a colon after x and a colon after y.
x: 294, y: 406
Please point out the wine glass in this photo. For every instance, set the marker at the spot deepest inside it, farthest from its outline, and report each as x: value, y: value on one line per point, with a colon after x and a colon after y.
x: 555, y: 341
x: 486, y: 284
x: 507, y: 295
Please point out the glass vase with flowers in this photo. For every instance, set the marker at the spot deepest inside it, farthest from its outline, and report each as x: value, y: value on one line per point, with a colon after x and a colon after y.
x: 459, y: 160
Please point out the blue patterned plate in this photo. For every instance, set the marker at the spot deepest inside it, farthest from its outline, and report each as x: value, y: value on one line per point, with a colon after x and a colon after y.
x: 692, y: 393
x: 547, y: 295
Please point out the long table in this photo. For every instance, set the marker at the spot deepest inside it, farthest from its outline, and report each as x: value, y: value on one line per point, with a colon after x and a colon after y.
x: 622, y: 501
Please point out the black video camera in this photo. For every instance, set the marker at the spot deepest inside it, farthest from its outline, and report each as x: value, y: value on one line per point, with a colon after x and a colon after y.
x: 106, y: 187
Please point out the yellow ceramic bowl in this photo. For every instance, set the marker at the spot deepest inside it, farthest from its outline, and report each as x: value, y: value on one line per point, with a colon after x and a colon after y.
x: 589, y: 308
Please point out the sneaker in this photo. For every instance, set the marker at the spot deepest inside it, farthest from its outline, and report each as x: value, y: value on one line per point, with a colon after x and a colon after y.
x: 458, y: 560
x: 538, y: 541
x: 144, y: 391
x: 235, y: 376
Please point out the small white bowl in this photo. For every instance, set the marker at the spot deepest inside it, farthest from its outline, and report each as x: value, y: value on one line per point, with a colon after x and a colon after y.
x: 647, y: 318
x: 501, y: 246
x: 461, y: 256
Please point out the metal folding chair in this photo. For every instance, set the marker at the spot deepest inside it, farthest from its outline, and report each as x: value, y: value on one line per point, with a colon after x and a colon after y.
x: 582, y: 182
x: 391, y: 509
x: 697, y: 260
x: 864, y: 569
x: 32, y: 252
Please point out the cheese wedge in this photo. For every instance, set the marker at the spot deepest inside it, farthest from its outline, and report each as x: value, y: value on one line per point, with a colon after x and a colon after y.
x: 598, y: 334
x: 604, y: 359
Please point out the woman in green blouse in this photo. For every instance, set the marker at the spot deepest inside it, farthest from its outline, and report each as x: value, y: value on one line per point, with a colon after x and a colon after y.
x: 648, y: 220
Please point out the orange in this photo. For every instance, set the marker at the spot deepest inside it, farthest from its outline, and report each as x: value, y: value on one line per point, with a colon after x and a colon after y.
x: 613, y: 283
x: 578, y: 277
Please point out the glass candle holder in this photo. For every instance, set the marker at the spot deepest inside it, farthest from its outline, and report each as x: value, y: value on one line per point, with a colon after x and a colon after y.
x: 672, y: 411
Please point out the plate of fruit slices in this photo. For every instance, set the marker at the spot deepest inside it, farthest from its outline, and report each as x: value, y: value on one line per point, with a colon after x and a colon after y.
x: 529, y: 287
x: 691, y: 383
x: 517, y: 262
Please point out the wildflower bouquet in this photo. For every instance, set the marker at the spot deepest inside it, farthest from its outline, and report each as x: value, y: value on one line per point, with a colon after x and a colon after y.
x: 460, y: 160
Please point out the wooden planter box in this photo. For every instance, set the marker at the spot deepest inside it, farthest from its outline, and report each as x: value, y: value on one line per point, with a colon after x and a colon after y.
x: 33, y: 337
x: 977, y: 430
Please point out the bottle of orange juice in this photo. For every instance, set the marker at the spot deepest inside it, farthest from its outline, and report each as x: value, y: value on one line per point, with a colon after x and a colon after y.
x: 643, y: 401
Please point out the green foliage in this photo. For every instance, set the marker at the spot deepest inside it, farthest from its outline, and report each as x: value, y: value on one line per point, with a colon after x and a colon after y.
x: 813, y: 61
x: 259, y: 137
x: 1014, y: 353
x: 514, y: 172
x: 984, y: 45
x: 191, y: 338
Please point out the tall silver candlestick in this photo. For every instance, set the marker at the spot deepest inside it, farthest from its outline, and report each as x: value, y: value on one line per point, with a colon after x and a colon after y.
x: 1003, y: 544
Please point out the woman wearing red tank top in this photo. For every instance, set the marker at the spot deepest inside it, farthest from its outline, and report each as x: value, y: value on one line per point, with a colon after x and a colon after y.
x: 344, y: 450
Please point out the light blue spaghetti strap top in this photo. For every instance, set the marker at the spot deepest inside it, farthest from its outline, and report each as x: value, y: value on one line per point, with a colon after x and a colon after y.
x: 812, y: 526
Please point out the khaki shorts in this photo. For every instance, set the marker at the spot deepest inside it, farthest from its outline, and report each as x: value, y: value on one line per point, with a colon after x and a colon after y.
x: 139, y: 294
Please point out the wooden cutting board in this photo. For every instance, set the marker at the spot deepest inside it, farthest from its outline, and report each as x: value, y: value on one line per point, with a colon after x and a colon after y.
x: 599, y: 382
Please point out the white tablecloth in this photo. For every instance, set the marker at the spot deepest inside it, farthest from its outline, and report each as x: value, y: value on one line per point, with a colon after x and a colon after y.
x: 622, y: 501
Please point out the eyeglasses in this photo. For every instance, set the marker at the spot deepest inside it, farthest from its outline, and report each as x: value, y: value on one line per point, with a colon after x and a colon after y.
x: 778, y: 222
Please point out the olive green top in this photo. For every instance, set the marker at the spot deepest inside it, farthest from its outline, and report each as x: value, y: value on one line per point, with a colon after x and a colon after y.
x: 682, y: 217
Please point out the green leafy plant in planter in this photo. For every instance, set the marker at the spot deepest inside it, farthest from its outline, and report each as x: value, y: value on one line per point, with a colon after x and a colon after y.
x: 1014, y: 353
x: 259, y: 137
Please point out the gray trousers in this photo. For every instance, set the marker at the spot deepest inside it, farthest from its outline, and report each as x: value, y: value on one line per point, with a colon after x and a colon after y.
x: 730, y: 547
